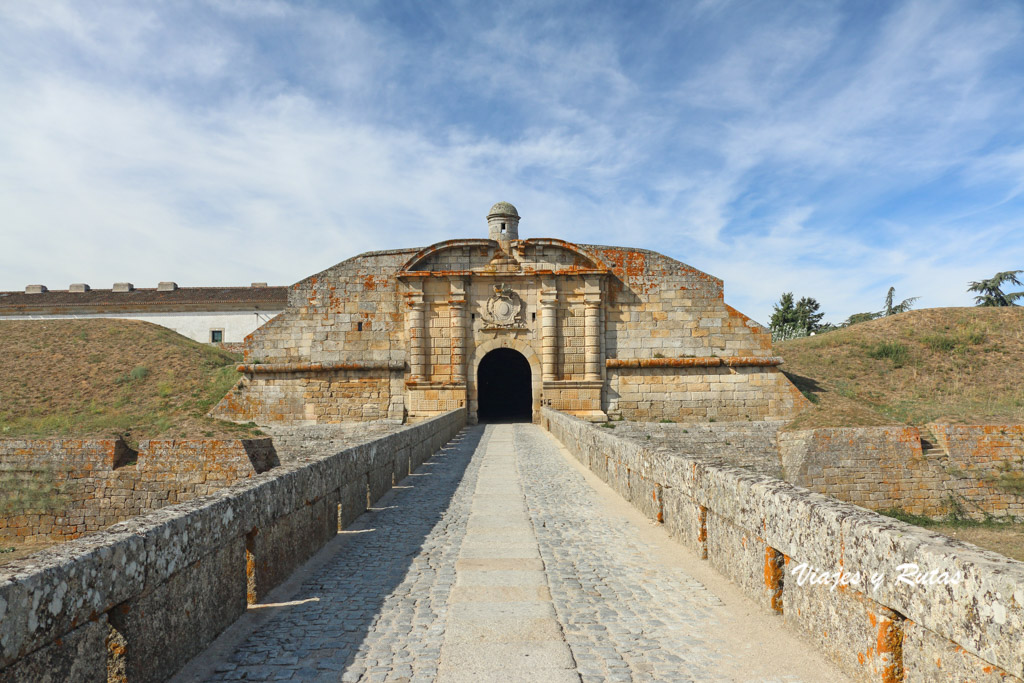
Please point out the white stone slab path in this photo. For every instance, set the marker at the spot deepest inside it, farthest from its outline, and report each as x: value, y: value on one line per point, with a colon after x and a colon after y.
x: 501, y: 621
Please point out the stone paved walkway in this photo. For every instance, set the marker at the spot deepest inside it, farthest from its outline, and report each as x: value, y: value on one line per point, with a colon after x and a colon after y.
x: 501, y: 560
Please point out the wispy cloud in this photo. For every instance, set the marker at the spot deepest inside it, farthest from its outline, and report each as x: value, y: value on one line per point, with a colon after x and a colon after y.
x: 831, y: 149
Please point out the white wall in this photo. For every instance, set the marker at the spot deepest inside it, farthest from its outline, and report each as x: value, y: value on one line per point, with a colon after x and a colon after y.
x: 195, y: 325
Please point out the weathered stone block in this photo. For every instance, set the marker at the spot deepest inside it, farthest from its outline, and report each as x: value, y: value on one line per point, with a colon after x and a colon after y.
x: 930, y: 658
x: 685, y: 521
x: 80, y: 655
x: 173, y: 621
x: 863, y: 637
x: 279, y: 548
x: 739, y: 555
x: 45, y: 596
x: 983, y: 612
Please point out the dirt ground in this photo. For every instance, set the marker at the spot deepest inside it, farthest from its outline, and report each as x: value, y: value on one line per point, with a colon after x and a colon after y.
x: 1007, y: 541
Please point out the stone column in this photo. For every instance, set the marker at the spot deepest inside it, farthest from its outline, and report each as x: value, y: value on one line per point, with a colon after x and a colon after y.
x: 549, y: 330
x: 457, y: 302
x: 592, y: 331
x: 417, y: 337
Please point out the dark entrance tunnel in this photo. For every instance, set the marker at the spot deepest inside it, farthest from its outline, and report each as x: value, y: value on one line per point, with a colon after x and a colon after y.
x: 504, y: 389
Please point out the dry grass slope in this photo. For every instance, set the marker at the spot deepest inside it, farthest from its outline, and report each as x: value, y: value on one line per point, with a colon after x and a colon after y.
x: 959, y: 365
x: 101, y: 378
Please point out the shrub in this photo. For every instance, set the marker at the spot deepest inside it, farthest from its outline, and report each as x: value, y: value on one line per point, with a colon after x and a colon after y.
x: 138, y: 373
x: 893, y: 351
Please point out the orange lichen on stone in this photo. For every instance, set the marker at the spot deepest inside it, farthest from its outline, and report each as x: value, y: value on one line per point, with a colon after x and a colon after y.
x: 774, y: 576
x: 890, y: 649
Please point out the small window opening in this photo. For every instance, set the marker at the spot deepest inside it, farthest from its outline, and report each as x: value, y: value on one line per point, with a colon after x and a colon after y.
x: 216, y: 336
x: 533, y: 317
x: 359, y: 326
x: 502, y: 228
x: 472, y: 316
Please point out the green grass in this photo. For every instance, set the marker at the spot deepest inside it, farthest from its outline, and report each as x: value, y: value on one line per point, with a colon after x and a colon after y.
x: 956, y: 519
x: 30, y: 490
x: 894, y: 351
x: 960, y: 365
x: 959, y: 341
x: 137, y: 374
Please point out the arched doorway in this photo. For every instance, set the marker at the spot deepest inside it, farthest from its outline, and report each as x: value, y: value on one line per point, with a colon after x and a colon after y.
x: 504, y: 387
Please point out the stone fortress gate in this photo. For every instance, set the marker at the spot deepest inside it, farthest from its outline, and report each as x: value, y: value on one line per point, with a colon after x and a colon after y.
x: 503, y: 326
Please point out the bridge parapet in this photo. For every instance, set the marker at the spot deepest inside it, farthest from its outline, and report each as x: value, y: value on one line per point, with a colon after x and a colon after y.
x: 148, y: 594
x: 757, y: 531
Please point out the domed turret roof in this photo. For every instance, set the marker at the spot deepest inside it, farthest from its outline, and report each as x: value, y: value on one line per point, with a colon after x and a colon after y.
x: 503, y: 209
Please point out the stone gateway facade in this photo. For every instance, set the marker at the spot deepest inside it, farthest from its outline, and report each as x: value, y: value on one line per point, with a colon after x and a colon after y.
x: 503, y: 326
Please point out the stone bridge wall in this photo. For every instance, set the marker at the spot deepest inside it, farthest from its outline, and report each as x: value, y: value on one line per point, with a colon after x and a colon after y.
x: 756, y: 530
x: 85, y: 485
x: 148, y: 594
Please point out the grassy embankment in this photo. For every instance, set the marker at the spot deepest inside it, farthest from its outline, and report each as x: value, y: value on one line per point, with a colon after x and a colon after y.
x: 102, y: 379
x: 958, y: 365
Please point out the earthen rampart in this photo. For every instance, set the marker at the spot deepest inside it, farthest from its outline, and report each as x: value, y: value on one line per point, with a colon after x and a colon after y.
x: 147, y: 594
x: 757, y: 530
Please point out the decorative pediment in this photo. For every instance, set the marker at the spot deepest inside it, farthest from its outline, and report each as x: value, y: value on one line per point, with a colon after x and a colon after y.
x: 487, y: 257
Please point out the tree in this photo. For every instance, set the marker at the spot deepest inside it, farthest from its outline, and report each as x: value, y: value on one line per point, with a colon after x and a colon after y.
x: 990, y: 291
x: 901, y: 307
x: 807, y: 315
x: 860, y: 318
x: 890, y: 309
x: 790, y: 320
x: 783, y: 313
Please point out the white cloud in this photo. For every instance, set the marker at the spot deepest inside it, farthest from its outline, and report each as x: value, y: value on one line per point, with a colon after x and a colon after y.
x: 233, y: 142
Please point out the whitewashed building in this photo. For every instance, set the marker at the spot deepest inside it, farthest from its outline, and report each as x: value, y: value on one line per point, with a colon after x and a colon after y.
x: 217, y: 315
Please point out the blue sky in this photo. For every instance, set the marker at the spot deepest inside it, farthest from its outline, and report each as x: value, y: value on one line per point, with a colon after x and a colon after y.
x: 831, y: 149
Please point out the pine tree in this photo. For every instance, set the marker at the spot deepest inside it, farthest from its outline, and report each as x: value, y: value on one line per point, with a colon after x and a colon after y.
x: 807, y: 316
x: 990, y: 292
x: 790, y: 320
x: 901, y: 307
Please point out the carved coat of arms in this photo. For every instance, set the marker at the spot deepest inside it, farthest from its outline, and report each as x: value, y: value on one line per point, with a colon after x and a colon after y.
x: 503, y: 310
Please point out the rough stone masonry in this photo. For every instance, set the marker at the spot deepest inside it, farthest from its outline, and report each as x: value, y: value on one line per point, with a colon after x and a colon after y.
x: 594, y: 331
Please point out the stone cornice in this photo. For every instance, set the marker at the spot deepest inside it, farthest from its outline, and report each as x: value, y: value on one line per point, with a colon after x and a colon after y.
x: 268, y: 368
x: 703, y: 362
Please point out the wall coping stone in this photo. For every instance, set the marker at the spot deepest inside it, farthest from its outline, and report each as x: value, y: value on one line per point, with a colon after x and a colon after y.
x: 701, y: 362
x: 266, y: 368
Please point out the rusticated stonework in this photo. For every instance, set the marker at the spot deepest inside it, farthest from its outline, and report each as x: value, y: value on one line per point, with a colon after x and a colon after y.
x: 606, y: 332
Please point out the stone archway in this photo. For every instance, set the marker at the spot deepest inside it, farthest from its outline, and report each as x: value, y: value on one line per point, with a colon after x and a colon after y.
x: 504, y: 391
x: 526, y: 352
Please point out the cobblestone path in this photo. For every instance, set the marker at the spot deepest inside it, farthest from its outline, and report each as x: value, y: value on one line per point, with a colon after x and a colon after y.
x: 500, y: 561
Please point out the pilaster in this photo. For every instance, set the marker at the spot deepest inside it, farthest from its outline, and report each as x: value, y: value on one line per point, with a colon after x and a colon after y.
x: 549, y: 329
x: 457, y: 303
